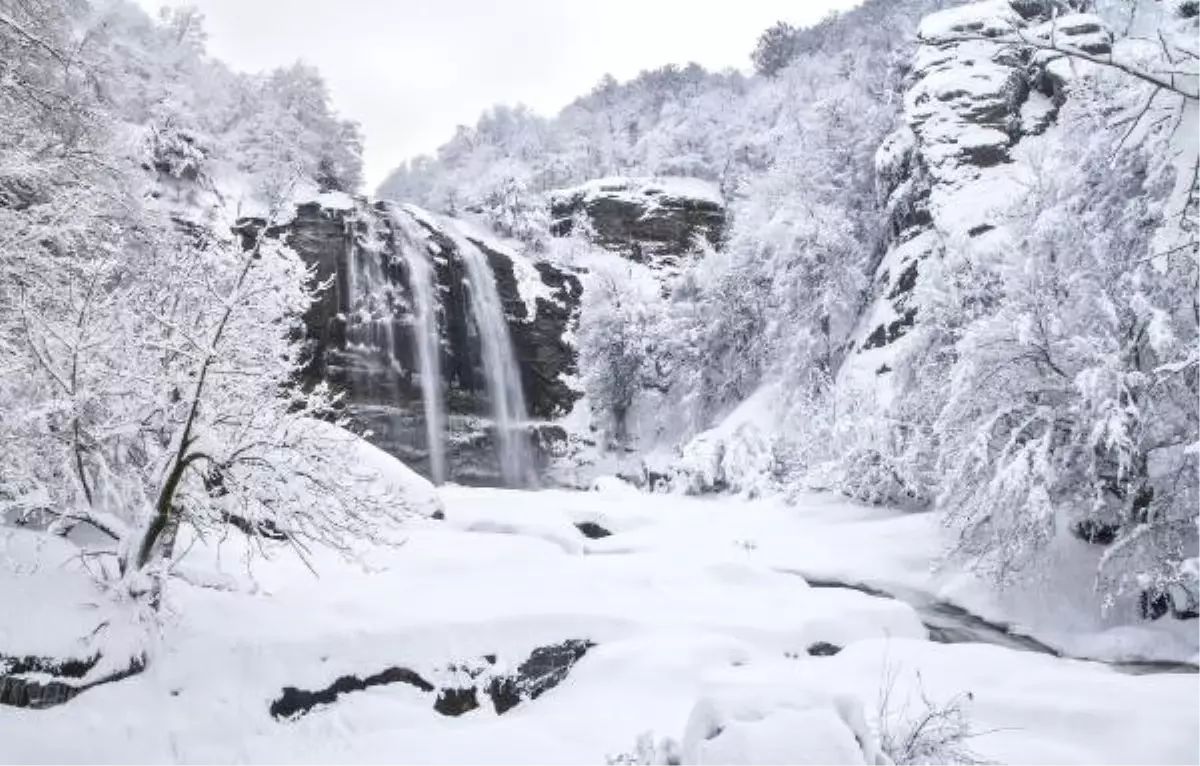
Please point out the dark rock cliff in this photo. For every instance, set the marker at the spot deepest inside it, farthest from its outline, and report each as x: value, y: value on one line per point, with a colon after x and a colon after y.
x: 361, y: 335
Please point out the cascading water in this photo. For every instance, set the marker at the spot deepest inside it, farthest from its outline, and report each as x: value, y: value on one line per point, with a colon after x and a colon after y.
x: 370, y: 310
x: 422, y: 283
x: 500, y: 370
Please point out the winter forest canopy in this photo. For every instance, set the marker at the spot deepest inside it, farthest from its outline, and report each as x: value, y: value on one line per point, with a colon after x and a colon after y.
x: 890, y: 342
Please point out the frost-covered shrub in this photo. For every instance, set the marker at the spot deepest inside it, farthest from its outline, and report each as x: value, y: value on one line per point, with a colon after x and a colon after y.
x: 936, y: 732
x: 647, y: 752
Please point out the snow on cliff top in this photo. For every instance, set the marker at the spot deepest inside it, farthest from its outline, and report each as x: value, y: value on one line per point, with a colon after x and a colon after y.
x: 638, y: 189
x: 991, y: 17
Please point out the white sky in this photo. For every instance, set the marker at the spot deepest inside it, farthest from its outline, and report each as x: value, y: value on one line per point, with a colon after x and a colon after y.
x: 409, y: 71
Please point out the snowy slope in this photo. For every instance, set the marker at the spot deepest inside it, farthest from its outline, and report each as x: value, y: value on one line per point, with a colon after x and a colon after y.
x: 695, y: 610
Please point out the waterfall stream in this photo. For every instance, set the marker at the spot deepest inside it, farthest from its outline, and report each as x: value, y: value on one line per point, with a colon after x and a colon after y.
x: 500, y: 370
x: 376, y: 306
x: 370, y: 305
x: 423, y: 285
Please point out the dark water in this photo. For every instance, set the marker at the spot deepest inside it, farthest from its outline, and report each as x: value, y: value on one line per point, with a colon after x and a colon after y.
x: 949, y: 623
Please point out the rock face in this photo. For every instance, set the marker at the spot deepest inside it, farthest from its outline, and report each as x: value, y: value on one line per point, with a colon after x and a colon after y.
x: 948, y: 172
x: 649, y: 220
x: 362, y: 330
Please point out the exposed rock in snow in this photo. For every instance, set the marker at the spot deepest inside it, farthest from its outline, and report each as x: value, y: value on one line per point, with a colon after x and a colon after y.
x: 651, y: 220
x: 591, y: 530
x: 546, y: 667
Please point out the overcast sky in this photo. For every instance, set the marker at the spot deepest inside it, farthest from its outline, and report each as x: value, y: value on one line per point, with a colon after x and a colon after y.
x: 411, y: 70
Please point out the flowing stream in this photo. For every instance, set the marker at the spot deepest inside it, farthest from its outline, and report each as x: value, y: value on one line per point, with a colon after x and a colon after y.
x: 949, y: 623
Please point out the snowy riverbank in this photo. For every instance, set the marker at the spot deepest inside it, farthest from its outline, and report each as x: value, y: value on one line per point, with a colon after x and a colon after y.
x: 694, y: 608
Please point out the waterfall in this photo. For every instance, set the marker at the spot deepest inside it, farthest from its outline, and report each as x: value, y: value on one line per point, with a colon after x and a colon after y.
x: 500, y: 370
x: 422, y: 280
x: 370, y: 310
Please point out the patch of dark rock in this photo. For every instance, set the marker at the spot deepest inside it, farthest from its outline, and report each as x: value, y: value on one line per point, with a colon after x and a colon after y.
x: 1154, y: 604
x: 37, y: 693
x: 823, y: 649
x: 296, y: 702
x: 883, y: 370
x: 69, y: 668
x: 592, y: 530
x: 546, y: 668
x: 1095, y: 532
x: 982, y: 228
x: 985, y: 156
x: 906, y: 282
x: 890, y: 333
x: 455, y: 702
x: 438, y: 515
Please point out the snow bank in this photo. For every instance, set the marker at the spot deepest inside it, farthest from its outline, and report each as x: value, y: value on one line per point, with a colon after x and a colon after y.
x: 384, y: 475
x: 747, y: 724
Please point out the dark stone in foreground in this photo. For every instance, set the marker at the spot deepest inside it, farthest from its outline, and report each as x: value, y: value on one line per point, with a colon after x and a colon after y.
x: 592, y: 530
x: 546, y: 667
x: 823, y: 649
x: 455, y: 702
x: 296, y: 702
x: 17, y: 691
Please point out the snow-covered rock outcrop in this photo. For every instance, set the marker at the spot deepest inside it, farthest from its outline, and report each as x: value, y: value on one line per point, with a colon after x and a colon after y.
x: 650, y: 220
x: 977, y: 91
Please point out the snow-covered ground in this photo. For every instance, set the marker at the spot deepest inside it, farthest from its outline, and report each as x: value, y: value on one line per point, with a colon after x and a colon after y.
x: 700, y: 616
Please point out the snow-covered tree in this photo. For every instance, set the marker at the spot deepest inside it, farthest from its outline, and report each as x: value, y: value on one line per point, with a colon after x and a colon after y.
x: 1071, y: 402
x: 775, y: 50
x: 150, y: 352
x: 617, y: 332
